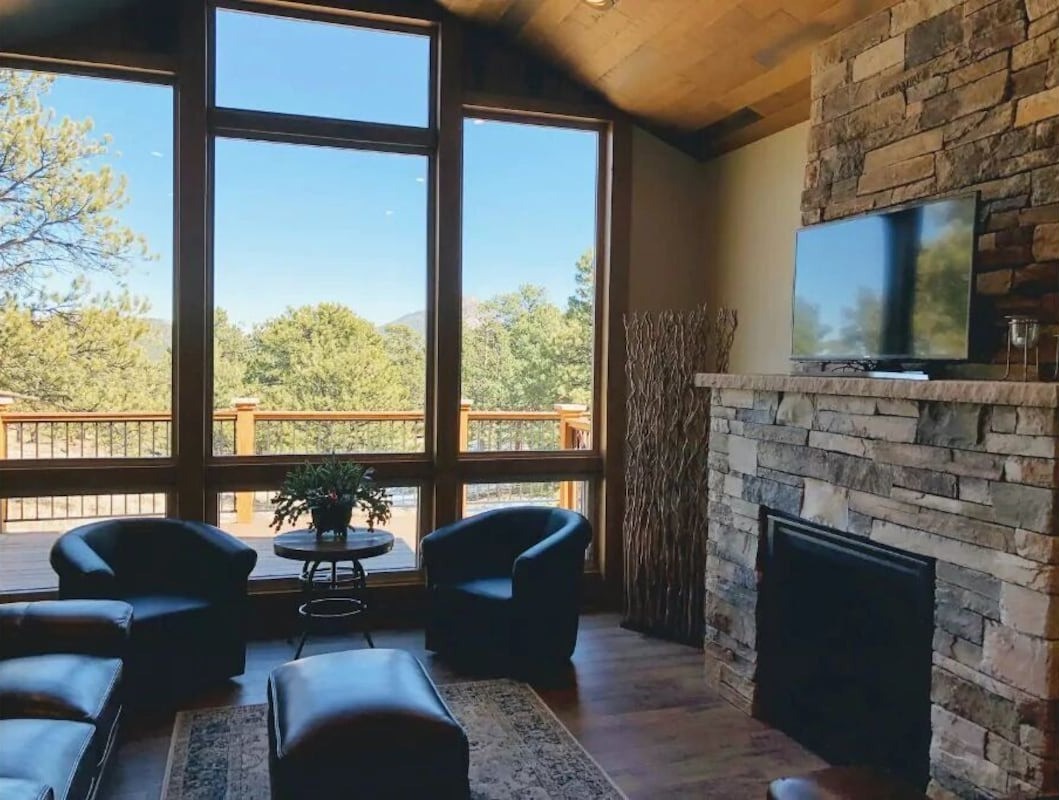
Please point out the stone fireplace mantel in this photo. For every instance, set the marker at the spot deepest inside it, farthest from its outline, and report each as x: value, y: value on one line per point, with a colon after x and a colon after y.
x: 1038, y: 395
x: 964, y: 472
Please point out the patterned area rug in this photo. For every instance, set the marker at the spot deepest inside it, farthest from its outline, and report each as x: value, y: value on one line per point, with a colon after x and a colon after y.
x: 519, y: 749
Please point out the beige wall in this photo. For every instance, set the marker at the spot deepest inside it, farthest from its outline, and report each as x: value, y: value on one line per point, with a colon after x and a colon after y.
x: 752, y: 200
x: 666, y: 268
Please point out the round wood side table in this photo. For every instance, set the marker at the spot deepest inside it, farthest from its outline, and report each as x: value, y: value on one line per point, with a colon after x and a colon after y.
x: 332, y: 591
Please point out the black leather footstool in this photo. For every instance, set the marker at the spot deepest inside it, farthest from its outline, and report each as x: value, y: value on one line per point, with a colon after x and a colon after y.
x: 362, y: 723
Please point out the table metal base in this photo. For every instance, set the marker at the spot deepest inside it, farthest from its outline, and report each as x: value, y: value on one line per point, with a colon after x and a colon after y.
x: 324, y: 605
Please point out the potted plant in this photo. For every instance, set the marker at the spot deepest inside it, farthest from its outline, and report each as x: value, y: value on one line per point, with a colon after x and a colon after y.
x: 329, y: 491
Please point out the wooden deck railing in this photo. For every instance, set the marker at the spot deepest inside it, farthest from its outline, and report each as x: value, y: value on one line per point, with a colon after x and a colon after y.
x: 246, y: 429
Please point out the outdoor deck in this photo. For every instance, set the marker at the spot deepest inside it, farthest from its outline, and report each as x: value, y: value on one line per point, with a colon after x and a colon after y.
x: 30, y: 525
x: 24, y: 553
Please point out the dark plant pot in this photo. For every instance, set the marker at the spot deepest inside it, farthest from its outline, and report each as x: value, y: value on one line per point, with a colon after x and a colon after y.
x: 332, y: 519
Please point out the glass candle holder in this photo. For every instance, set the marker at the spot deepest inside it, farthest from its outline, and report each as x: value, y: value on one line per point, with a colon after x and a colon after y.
x: 1024, y: 333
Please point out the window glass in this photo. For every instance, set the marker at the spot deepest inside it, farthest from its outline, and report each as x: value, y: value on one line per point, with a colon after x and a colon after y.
x: 479, y: 497
x: 29, y: 527
x: 86, y: 270
x: 529, y: 272
x: 293, y: 66
x: 320, y: 288
x: 248, y: 515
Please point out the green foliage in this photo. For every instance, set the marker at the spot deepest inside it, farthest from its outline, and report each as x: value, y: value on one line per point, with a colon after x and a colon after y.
x: 231, y: 355
x: 330, y: 484
x: 323, y: 358
x: 83, y: 353
x: 523, y: 352
x: 406, y: 350
x: 56, y: 205
x: 76, y: 349
x: 575, y: 385
x: 70, y: 350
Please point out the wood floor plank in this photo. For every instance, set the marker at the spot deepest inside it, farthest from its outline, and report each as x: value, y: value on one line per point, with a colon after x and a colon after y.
x: 640, y: 706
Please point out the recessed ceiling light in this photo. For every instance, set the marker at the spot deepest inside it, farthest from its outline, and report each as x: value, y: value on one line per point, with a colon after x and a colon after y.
x: 599, y: 5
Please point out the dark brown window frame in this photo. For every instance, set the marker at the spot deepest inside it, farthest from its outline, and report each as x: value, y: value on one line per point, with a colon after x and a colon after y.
x: 192, y: 477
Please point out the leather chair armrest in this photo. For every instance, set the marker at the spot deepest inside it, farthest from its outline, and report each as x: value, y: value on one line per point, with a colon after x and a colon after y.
x: 82, y: 573
x: 213, y: 564
x: 86, y: 627
x: 238, y: 556
x: 552, y: 563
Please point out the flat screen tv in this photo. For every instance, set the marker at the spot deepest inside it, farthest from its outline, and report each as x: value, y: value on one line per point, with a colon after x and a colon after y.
x: 892, y: 286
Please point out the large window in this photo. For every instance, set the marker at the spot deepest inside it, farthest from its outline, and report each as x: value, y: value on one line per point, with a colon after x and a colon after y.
x: 320, y: 252
x: 86, y: 299
x: 320, y: 289
x: 193, y: 303
x: 86, y: 270
x: 529, y: 285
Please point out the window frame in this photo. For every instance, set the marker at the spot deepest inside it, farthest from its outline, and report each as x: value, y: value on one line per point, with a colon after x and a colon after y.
x: 264, y: 472
x: 295, y: 129
x: 51, y: 477
x: 192, y: 476
x: 74, y: 475
x: 601, y: 279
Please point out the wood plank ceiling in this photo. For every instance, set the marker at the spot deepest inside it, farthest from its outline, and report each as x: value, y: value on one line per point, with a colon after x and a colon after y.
x: 708, y: 75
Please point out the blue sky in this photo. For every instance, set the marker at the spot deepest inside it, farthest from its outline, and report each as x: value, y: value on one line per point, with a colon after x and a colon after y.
x: 298, y: 225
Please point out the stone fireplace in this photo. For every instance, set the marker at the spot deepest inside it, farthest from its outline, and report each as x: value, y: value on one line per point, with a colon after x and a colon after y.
x: 960, y: 472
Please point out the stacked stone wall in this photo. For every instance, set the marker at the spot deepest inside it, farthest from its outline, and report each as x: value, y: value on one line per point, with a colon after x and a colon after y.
x: 971, y: 485
x: 938, y: 97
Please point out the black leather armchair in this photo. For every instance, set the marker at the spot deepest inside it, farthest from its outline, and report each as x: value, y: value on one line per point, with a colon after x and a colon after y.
x: 60, y: 695
x: 508, y: 583
x: 186, y: 583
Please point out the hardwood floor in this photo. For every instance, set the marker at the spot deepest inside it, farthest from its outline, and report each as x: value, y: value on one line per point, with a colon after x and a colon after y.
x: 640, y: 706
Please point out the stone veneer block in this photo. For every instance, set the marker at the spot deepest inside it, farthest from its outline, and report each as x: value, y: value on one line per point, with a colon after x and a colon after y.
x: 874, y: 60
x: 742, y: 455
x: 963, y: 472
x: 903, y: 150
x: 1037, y: 107
x: 909, y: 13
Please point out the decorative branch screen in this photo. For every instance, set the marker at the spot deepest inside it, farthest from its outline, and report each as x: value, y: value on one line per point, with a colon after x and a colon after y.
x: 665, y: 526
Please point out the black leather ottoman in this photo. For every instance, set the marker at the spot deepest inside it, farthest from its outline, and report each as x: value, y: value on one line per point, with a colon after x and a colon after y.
x: 362, y: 723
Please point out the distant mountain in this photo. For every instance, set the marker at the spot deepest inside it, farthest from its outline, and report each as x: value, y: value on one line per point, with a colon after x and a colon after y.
x: 417, y: 320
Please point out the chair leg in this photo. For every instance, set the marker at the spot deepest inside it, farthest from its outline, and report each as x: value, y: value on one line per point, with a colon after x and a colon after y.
x: 301, y: 645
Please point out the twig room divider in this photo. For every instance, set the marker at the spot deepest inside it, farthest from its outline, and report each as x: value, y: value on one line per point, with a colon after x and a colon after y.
x: 665, y: 526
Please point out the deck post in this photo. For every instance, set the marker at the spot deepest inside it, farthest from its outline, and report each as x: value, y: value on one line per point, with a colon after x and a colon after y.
x: 465, y: 437
x: 567, y: 441
x: 4, y: 402
x: 245, y: 408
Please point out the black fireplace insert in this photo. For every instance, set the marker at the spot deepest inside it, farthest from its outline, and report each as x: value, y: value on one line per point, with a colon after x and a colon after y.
x: 844, y: 647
